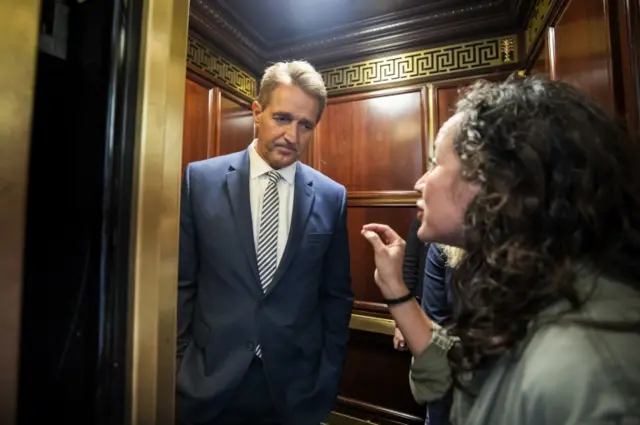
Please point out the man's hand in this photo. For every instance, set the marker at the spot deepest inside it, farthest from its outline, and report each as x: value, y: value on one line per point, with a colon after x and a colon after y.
x: 398, y: 341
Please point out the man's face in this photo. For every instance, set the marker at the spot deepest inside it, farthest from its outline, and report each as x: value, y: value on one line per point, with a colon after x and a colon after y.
x: 285, y: 125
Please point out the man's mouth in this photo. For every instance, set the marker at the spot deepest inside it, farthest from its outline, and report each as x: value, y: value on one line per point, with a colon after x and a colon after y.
x: 286, y: 148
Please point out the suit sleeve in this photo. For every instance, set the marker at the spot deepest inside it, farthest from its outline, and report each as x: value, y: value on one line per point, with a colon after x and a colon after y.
x: 187, y: 267
x: 337, y: 298
x: 411, y: 260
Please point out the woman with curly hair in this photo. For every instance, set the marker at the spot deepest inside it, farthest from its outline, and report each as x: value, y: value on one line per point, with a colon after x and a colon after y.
x: 541, y: 188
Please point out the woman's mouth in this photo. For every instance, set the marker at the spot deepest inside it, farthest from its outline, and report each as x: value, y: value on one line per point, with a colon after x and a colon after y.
x: 420, y: 206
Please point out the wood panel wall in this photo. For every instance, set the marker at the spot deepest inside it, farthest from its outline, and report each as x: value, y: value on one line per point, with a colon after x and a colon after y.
x: 583, y: 51
x: 216, y: 121
x: 376, y: 145
x: 595, y: 45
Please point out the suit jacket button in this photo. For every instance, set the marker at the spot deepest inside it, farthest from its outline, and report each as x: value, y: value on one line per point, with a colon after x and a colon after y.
x: 250, y: 346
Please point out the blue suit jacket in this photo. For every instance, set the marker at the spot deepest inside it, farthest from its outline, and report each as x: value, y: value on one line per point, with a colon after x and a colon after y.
x: 302, y: 322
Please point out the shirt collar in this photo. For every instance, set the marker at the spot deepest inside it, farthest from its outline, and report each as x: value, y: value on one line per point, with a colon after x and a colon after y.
x: 259, y: 166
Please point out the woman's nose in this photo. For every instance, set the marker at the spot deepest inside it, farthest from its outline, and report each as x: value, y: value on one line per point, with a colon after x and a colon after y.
x: 419, y: 186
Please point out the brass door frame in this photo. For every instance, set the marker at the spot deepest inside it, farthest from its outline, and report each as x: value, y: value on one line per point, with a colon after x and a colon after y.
x: 151, y: 349
x: 19, y: 20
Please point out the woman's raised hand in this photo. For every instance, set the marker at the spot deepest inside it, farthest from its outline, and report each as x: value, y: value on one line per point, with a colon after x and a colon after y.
x: 388, y: 249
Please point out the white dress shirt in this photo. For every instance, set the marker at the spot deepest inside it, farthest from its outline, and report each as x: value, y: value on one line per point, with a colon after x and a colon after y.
x: 258, y: 182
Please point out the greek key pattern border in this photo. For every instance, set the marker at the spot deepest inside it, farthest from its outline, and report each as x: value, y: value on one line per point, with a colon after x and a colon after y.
x: 437, y: 61
x: 218, y: 67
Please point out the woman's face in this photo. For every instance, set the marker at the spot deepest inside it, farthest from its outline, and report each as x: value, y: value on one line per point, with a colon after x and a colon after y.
x: 445, y: 195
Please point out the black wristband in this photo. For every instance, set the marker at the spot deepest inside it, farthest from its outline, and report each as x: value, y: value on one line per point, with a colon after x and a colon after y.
x: 396, y: 301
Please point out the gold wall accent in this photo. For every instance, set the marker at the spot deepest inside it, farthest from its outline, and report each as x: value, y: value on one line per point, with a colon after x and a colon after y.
x: 431, y: 118
x: 536, y: 23
x: 220, y: 68
x: 443, y: 60
x: 373, y: 324
x: 19, y: 20
x: 150, y: 385
x: 508, y: 48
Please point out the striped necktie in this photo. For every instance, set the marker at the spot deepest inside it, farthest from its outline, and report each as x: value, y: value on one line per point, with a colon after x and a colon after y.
x: 268, y: 235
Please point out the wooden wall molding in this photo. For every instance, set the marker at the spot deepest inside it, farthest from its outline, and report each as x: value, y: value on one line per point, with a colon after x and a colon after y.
x: 628, y: 18
x: 433, y: 23
x: 537, y: 22
x: 214, y: 28
x: 416, y: 17
x: 368, y: 306
x: 371, y: 412
x: 382, y: 198
x: 543, y: 15
x: 211, y: 64
x: 446, y: 60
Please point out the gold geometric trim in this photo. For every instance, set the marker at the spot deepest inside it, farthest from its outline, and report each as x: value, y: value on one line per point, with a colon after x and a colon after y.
x: 220, y: 68
x: 372, y: 324
x: 537, y: 21
x: 472, y: 55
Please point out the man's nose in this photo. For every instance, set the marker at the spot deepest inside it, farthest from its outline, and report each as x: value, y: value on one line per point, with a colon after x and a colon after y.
x: 291, y: 133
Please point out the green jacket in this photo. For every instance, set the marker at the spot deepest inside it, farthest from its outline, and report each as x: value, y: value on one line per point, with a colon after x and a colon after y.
x: 562, y: 374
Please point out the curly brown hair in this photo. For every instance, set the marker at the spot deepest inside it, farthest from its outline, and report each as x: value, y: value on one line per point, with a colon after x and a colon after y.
x: 560, y: 188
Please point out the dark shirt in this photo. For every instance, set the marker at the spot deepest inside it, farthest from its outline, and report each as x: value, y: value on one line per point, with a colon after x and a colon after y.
x: 436, y: 293
x: 437, y: 303
x: 414, y: 260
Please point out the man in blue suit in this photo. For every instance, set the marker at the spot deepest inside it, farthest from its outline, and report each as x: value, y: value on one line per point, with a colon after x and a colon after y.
x: 264, y: 283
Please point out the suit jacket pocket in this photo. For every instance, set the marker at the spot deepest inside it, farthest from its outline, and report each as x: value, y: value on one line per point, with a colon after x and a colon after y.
x: 318, y: 238
x: 310, y: 343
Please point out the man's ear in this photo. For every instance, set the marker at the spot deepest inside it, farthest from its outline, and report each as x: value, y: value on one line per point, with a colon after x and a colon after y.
x: 256, y: 109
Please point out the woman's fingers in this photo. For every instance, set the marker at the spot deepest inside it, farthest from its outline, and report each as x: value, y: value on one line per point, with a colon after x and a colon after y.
x: 374, y: 240
x: 386, y: 233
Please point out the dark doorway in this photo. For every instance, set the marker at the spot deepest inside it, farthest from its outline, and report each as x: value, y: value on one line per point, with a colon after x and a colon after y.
x: 74, y: 311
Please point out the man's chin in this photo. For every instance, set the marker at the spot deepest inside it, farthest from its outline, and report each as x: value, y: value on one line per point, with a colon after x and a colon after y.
x: 281, y: 161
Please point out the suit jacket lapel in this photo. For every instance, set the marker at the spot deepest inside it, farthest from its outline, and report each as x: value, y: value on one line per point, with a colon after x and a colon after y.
x: 303, y: 198
x: 239, y: 198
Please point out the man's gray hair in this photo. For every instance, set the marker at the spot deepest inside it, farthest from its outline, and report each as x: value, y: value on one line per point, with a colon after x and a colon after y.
x: 298, y: 73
